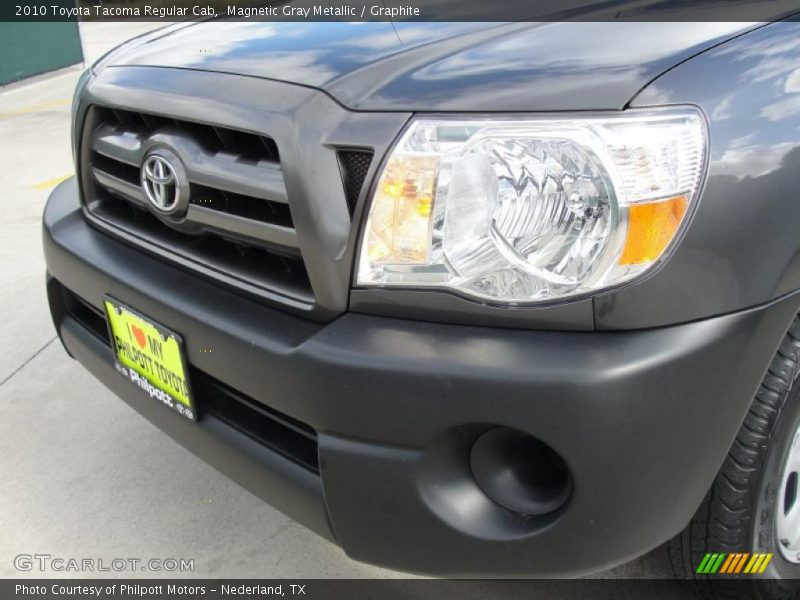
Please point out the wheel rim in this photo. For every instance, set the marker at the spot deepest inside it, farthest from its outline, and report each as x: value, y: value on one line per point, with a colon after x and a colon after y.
x: 788, y: 507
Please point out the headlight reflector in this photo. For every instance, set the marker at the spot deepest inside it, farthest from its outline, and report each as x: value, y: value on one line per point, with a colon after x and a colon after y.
x: 532, y: 210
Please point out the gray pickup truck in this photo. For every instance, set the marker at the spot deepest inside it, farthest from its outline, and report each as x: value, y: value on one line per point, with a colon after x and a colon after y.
x: 466, y: 299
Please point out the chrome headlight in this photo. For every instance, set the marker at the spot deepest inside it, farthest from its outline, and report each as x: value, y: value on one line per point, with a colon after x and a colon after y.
x: 524, y: 210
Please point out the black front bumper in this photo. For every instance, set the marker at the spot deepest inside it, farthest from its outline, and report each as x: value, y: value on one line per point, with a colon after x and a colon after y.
x: 643, y: 419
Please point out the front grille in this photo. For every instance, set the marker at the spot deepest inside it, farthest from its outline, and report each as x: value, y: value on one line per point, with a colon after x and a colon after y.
x: 289, y: 437
x: 238, y: 225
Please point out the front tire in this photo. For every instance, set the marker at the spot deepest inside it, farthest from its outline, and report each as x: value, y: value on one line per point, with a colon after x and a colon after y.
x: 754, y: 504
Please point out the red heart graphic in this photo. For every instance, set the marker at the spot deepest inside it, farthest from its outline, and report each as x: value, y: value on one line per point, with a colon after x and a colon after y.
x: 139, y: 335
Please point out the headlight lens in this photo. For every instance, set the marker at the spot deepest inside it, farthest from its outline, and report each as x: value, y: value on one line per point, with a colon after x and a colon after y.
x: 532, y: 210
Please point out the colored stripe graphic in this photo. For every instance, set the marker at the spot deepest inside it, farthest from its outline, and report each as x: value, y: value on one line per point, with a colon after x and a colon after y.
x: 718, y: 564
x: 704, y: 564
x: 754, y: 562
x: 767, y: 558
x: 711, y: 563
x: 728, y: 563
x: 741, y: 563
x: 733, y: 563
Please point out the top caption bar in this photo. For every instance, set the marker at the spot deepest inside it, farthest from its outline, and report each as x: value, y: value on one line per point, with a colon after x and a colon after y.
x: 405, y: 10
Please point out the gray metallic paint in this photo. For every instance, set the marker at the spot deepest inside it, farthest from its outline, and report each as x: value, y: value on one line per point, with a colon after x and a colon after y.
x: 742, y: 248
x: 593, y: 397
x: 737, y: 253
x: 443, y: 66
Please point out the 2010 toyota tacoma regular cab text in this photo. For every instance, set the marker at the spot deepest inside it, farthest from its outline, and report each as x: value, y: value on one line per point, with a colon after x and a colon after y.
x: 467, y: 299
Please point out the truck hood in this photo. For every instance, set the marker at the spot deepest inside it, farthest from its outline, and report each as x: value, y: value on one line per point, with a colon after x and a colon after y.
x: 440, y: 66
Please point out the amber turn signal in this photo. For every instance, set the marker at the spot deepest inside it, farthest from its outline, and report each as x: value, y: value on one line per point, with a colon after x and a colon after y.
x: 651, y: 227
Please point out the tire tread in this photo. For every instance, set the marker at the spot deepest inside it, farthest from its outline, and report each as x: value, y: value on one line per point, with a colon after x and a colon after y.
x: 721, y: 524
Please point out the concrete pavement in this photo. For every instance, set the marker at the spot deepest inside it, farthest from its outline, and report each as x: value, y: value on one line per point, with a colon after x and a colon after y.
x: 82, y: 475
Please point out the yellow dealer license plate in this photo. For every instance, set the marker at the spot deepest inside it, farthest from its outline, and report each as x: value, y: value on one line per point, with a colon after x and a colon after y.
x: 151, y: 357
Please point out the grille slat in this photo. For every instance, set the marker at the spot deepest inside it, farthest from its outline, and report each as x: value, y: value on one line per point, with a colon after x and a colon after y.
x: 238, y: 225
x: 123, y: 146
x: 221, y: 258
x: 118, y: 185
x: 221, y: 170
x: 242, y: 228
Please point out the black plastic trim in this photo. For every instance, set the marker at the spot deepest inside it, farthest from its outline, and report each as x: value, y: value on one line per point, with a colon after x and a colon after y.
x: 289, y: 487
x: 642, y: 419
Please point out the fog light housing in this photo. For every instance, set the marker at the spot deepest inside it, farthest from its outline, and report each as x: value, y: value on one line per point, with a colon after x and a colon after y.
x: 520, y: 473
